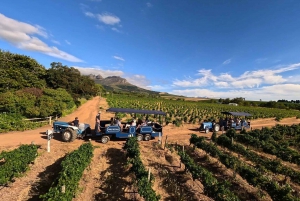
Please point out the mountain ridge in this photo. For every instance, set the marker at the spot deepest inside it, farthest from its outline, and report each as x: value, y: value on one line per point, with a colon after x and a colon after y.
x: 119, y: 84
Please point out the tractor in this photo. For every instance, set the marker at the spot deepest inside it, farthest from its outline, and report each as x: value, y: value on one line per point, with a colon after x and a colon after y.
x: 69, y: 133
x: 232, y: 120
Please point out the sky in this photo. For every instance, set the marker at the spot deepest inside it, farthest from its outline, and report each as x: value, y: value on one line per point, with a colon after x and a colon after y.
x: 195, y: 48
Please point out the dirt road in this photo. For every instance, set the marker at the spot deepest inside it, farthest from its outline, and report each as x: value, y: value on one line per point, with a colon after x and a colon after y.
x: 106, y: 158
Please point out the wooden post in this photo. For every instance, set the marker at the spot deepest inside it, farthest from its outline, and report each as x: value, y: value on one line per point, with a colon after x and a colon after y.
x: 166, y: 141
x: 159, y: 138
x: 50, y: 120
x: 149, y: 174
x: 63, y: 189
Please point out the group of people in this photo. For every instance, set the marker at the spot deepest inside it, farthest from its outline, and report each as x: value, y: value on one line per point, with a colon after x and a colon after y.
x: 115, y: 122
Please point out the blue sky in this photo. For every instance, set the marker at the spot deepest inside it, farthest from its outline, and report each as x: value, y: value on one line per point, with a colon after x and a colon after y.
x: 194, y: 48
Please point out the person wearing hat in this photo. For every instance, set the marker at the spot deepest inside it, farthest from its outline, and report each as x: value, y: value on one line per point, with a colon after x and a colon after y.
x: 97, y: 124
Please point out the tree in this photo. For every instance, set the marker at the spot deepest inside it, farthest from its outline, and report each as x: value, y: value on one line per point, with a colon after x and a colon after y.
x: 19, y: 71
x: 69, y: 78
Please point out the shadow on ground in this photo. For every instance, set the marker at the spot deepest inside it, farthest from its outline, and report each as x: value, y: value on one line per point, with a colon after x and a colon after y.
x: 114, y: 177
x: 174, y: 181
x: 45, y: 180
x: 219, y: 174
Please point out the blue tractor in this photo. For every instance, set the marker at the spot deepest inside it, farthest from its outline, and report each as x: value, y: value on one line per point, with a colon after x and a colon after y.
x: 148, y: 132
x: 209, y: 126
x: 69, y: 132
x: 232, y: 120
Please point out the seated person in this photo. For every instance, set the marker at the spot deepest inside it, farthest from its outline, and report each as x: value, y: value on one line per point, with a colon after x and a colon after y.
x: 112, y: 120
x: 142, y: 124
x: 75, y: 122
x: 133, y: 123
x: 118, y: 123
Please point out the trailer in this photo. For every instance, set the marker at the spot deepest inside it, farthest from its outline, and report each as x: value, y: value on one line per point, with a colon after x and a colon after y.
x: 110, y: 131
x: 231, y: 121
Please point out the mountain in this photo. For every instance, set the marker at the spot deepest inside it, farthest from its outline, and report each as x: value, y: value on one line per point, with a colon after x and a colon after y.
x: 119, y: 84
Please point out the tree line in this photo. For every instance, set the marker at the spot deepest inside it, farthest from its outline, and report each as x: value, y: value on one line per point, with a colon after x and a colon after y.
x: 29, y: 89
x: 280, y: 104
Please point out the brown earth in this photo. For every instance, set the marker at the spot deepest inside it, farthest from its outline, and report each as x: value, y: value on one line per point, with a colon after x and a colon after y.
x: 107, y: 176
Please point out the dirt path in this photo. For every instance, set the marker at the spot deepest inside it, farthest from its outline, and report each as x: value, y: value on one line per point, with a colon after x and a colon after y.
x: 41, y: 174
x: 94, y: 184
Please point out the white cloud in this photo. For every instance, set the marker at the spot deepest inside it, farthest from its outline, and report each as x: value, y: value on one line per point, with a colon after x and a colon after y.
x: 96, y: 70
x: 207, y: 76
x: 228, y: 61
x: 157, y: 87
x: 265, y: 84
x: 138, y: 80
x: 116, y: 30
x: 149, y: 4
x: 118, y: 58
x: 89, y: 14
x: 24, y: 36
x: 56, y: 42
x: 67, y: 42
x: 267, y: 93
x: 249, y: 79
x: 108, y: 18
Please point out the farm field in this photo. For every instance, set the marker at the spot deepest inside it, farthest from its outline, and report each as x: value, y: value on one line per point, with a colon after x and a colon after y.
x: 108, y: 178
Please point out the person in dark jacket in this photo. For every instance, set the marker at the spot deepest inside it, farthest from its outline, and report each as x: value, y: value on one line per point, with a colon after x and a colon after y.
x: 76, y: 122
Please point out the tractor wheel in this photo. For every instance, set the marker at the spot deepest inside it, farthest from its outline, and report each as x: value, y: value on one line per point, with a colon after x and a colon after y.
x: 104, y: 139
x: 140, y: 137
x: 216, y: 127
x: 206, y: 130
x: 147, y: 137
x: 69, y: 135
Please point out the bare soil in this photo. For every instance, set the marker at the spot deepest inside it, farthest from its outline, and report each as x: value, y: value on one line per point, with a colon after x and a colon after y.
x: 107, y: 176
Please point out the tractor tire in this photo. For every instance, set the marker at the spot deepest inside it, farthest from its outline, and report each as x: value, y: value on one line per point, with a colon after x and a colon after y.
x: 105, y: 139
x: 206, y: 130
x: 139, y: 137
x: 147, y: 137
x: 69, y: 135
x: 216, y: 127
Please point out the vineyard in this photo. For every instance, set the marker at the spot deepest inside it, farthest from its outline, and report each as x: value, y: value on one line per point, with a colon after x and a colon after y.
x: 260, y: 164
x: 179, y: 111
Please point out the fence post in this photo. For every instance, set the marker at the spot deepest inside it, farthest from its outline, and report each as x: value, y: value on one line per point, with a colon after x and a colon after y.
x: 50, y: 120
x: 149, y: 173
x: 49, y: 136
x: 166, y: 141
x: 159, y: 138
x: 63, y: 189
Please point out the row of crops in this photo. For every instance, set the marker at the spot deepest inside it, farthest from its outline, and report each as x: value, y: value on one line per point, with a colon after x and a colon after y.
x: 257, y: 170
x: 144, y: 184
x: 15, y: 163
x: 251, y: 174
x: 274, y: 141
x: 193, y: 112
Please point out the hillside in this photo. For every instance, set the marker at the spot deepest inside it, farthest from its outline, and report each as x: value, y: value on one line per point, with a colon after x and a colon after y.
x: 118, y: 84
